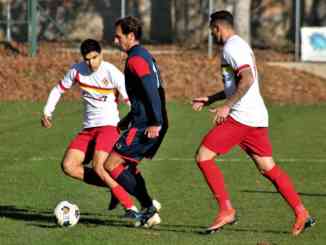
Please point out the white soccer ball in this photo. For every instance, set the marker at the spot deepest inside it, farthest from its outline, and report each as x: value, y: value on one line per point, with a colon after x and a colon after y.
x: 67, y: 214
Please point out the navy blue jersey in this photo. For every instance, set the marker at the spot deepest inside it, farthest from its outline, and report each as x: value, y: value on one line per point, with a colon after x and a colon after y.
x: 145, y: 91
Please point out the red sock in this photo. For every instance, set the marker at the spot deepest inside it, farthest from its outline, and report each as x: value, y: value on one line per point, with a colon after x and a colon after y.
x: 119, y: 192
x: 285, y: 186
x: 215, y: 181
x: 122, y: 196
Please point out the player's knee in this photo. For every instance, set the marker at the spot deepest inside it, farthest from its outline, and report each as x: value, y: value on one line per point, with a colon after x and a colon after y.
x: 68, y: 167
x: 197, y: 156
x: 203, y: 154
x: 200, y: 157
x: 110, y: 164
x: 106, y: 165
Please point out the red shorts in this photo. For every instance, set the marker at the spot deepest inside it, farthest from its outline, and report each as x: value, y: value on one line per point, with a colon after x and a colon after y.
x: 102, y: 138
x: 223, y: 137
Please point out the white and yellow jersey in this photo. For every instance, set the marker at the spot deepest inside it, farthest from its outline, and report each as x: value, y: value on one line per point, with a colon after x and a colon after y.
x: 250, y: 109
x: 99, y: 92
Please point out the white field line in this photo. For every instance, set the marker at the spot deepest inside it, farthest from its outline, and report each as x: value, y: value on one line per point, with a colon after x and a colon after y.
x: 285, y: 159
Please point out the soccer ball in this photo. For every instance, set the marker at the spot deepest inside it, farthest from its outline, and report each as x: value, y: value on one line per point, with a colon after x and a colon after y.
x: 67, y: 214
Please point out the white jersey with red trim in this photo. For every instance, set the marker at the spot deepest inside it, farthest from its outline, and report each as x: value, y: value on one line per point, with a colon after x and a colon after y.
x: 99, y: 91
x: 237, y: 56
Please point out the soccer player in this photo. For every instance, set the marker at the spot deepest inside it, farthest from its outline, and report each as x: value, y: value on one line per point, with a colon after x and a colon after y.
x: 147, y: 120
x: 100, y: 83
x: 241, y: 120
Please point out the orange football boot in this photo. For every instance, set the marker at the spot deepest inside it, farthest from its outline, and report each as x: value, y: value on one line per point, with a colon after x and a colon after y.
x: 303, y: 221
x: 225, y: 217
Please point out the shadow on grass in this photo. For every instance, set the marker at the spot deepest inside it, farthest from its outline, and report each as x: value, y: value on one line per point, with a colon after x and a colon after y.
x: 275, y: 192
x: 46, y: 219
x: 200, y: 230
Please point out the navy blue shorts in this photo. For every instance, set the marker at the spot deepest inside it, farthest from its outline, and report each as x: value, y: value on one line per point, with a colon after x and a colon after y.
x: 134, y: 145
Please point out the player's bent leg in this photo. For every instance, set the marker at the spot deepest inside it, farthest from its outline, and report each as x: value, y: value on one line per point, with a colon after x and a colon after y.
x: 263, y: 163
x: 284, y: 185
x: 131, y: 179
x: 215, y: 181
x: 117, y: 190
x: 141, y: 192
x: 128, y: 180
x: 89, y: 175
x: 113, y: 161
x: 203, y: 154
x: 115, y: 175
x: 72, y: 163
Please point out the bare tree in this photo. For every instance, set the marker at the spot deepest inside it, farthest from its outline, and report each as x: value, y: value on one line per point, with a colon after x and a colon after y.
x: 161, y: 21
x: 242, y: 18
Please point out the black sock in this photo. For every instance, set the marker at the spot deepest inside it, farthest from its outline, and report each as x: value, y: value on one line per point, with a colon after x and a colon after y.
x: 90, y: 177
x: 134, y: 183
x: 127, y: 180
x: 143, y: 196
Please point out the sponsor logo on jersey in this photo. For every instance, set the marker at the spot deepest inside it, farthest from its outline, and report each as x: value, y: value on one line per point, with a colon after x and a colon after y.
x: 106, y: 82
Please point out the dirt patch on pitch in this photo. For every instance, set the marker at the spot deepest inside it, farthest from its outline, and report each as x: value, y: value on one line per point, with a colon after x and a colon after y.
x: 187, y: 73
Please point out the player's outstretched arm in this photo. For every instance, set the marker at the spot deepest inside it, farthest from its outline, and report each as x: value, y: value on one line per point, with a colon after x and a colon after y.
x: 199, y: 102
x: 50, y: 105
x: 223, y: 111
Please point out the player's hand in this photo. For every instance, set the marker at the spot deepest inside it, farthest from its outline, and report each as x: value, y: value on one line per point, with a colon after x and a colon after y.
x: 46, y: 121
x: 221, y: 113
x: 153, y: 131
x: 199, y: 103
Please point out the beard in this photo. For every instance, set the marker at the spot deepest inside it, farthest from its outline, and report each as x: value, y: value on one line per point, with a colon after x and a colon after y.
x: 218, y: 41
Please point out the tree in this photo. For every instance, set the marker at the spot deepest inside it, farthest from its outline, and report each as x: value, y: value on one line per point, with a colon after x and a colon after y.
x: 161, y: 21
x: 242, y: 18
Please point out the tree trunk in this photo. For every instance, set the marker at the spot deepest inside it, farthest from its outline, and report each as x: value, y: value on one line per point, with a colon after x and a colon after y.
x: 242, y: 18
x: 161, y: 21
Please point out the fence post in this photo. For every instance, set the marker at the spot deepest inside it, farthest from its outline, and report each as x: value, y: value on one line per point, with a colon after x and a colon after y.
x: 32, y: 26
x: 123, y: 8
x: 297, y: 29
x: 8, y: 31
x: 210, y: 38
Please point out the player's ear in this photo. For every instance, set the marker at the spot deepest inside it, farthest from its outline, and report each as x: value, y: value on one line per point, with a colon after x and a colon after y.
x: 131, y: 36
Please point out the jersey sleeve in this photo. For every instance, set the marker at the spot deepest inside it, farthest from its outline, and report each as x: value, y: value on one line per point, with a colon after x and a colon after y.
x: 149, y: 81
x: 55, y: 94
x: 52, y: 101
x: 68, y: 80
x: 238, y: 59
x: 118, y: 80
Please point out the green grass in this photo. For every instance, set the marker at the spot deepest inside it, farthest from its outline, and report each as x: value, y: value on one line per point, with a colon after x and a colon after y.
x: 31, y: 183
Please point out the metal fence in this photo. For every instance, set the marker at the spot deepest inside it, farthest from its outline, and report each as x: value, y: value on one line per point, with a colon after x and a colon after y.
x: 169, y: 21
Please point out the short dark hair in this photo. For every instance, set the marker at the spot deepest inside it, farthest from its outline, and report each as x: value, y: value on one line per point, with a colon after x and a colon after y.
x: 130, y: 24
x: 221, y: 16
x: 88, y: 46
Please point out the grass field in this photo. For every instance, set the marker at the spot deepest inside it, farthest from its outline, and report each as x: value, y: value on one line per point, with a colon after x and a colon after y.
x: 31, y: 182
